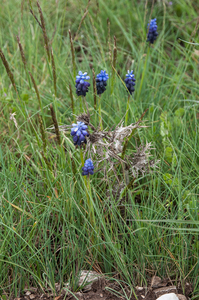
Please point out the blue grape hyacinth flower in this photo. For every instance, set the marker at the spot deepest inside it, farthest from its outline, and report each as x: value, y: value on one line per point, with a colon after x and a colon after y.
x: 82, y: 85
x: 88, y: 168
x: 79, y: 133
x: 130, y: 81
x: 101, y: 82
x: 152, y: 31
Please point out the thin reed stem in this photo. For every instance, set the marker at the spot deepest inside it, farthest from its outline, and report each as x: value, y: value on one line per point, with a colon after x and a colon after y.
x: 82, y: 19
x: 22, y: 52
x: 114, y: 64
x: 43, y: 26
x: 143, y: 74
x: 73, y: 54
x: 43, y: 135
x: 22, y: 7
x: 37, y: 20
x: 36, y: 90
x: 109, y: 40
x: 23, y: 58
x: 46, y: 161
x: 55, y: 124
x: 97, y: 38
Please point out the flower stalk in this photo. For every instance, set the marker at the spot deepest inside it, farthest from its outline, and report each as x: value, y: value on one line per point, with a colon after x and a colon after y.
x: 100, y: 112
x: 101, y: 83
x: 88, y: 169
x: 127, y: 110
x: 94, y: 90
x: 72, y: 101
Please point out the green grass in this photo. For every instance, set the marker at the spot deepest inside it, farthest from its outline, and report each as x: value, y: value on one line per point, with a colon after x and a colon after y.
x: 47, y: 233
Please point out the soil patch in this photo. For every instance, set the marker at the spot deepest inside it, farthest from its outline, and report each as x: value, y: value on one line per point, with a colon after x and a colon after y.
x: 106, y: 290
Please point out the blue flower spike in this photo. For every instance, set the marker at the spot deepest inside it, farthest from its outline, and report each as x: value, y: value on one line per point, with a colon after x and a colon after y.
x: 101, y: 82
x: 152, y: 31
x: 88, y: 168
x: 82, y: 85
x: 79, y: 133
x: 130, y: 81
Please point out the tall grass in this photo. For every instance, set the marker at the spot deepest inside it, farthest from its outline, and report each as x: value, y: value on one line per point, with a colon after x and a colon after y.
x: 46, y: 234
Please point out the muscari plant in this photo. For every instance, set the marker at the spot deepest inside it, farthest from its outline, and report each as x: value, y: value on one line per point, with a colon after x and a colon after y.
x: 107, y: 147
x: 110, y: 146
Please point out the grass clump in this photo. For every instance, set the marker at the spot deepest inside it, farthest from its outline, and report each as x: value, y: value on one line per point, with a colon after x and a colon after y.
x: 55, y: 222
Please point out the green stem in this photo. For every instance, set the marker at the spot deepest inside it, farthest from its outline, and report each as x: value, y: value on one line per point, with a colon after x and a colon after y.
x: 82, y: 161
x: 127, y: 110
x: 100, y: 112
x: 143, y: 74
x: 81, y: 157
x: 81, y: 104
x: 90, y: 202
x: 90, y: 206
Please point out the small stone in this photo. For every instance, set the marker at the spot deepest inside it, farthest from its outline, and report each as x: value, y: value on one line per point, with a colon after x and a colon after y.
x: 101, y: 295
x: 32, y: 296
x: 58, y: 287
x: 165, y: 290
x: 156, y: 281
x: 143, y: 296
x: 28, y: 293
x: 87, y: 277
x: 79, y: 295
x: 139, y: 288
x: 170, y: 296
x: 181, y: 297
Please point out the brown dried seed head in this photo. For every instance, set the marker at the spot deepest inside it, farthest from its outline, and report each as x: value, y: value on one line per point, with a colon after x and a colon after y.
x: 36, y: 89
x: 6, y: 65
x: 83, y: 118
x: 22, y: 52
x: 44, y: 30
x: 54, y: 73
